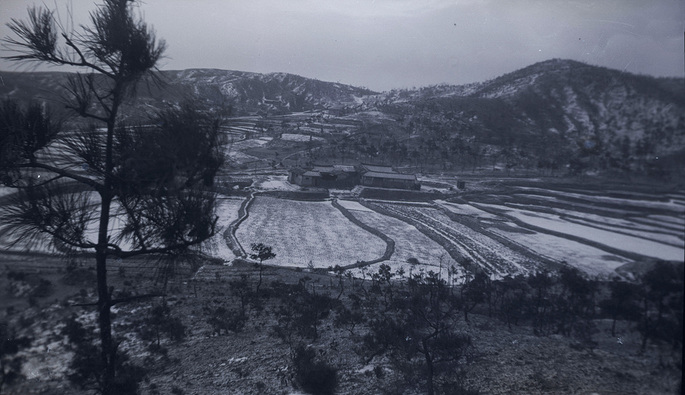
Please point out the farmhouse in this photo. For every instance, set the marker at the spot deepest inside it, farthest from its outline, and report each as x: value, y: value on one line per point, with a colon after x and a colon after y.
x: 325, y: 176
x: 390, y: 180
x: 377, y: 168
x: 344, y: 177
x: 381, y: 176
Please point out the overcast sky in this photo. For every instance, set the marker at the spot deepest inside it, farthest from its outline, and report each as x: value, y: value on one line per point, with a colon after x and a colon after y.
x: 384, y: 44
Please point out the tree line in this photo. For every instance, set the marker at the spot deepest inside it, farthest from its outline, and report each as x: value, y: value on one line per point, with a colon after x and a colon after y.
x: 416, y: 322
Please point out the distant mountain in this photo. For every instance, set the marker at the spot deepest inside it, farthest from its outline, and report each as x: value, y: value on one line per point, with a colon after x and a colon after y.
x: 274, y: 92
x: 39, y: 86
x: 557, y: 115
x: 574, y: 114
x: 244, y: 93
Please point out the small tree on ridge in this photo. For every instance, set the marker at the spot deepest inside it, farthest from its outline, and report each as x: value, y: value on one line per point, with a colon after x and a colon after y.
x: 261, y: 252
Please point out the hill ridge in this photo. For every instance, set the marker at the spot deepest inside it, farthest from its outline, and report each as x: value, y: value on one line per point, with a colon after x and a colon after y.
x: 556, y: 114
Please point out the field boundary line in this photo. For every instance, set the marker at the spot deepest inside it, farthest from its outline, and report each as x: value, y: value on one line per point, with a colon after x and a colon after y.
x: 473, y: 224
x: 389, y: 242
x: 622, y: 230
x: 229, y: 234
x: 626, y: 254
x: 444, y: 242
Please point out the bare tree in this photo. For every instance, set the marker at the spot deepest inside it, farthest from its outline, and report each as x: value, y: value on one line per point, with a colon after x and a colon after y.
x: 141, y: 190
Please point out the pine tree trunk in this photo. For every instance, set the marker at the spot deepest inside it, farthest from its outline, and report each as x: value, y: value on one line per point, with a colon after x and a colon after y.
x: 104, y: 299
x: 429, y: 367
x: 259, y: 284
x: 108, y: 350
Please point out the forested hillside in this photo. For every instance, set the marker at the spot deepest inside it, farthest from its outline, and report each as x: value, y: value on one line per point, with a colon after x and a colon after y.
x: 555, y: 117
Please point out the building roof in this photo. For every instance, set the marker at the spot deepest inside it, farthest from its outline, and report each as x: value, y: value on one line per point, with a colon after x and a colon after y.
x: 323, y: 169
x: 312, y: 174
x: 334, y: 169
x: 393, y: 176
x: 345, y: 168
x: 298, y: 170
x: 379, y: 168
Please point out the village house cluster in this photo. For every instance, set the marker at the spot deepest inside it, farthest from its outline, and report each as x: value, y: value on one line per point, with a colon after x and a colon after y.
x: 347, y: 177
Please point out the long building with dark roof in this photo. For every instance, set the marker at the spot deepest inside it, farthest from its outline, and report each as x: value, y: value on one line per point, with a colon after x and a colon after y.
x: 345, y: 177
x: 390, y: 180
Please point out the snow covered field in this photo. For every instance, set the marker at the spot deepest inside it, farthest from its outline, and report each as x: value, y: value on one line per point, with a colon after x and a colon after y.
x: 609, y: 238
x: 595, y: 232
x: 490, y: 254
x: 275, y: 183
x: 354, y: 206
x: 227, y: 211
x: 409, y: 242
x: 598, y: 236
x: 586, y: 258
x: 505, y: 234
x: 465, y: 209
x: 43, y: 243
x: 307, y: 232
x: 300, y: 137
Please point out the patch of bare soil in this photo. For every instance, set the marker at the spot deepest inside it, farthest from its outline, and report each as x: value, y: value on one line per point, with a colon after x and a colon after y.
x: 518, y: 362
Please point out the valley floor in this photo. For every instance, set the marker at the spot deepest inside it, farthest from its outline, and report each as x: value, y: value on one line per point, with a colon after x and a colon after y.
x: 504, y: 226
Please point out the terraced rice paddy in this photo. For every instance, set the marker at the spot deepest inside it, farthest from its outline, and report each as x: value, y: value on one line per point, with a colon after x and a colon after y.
x: 306, y: 234
x: 522, y: 250
x: 505, y: 234
x: 606, y: 235
x: 227, y: 211
x: 591, y: 260
x: 409, y: 241
x: 518, y: 232
x: 490, y: 254
x: 597, y: 232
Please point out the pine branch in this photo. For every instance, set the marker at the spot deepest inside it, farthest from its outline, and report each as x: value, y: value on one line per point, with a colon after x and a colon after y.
x: 159, y: 250
x: 63, y: 173
x: 84, y: 62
